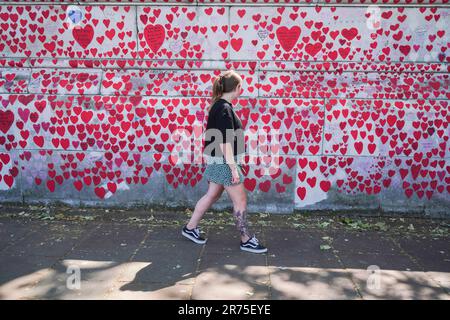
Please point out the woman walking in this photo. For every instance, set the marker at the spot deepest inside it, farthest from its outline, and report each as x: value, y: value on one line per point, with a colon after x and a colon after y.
x: 224, y: 148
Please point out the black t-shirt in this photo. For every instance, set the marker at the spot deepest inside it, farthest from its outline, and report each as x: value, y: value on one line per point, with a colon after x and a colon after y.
x: 223, y: 118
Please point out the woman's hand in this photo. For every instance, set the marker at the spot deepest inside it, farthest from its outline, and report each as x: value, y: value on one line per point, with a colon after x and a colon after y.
x: 234, y: 174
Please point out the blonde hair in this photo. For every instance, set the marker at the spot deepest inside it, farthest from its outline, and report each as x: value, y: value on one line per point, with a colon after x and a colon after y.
x: 226, y: 82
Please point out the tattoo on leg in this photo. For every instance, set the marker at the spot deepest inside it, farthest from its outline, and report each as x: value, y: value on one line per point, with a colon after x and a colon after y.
x: 241, y: 222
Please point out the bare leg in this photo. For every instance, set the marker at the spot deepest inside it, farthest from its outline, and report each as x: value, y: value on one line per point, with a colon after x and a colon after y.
x: 238, y: 195
x: 214, y: 192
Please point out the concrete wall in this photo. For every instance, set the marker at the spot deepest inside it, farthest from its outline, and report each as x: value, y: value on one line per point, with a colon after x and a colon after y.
x: 360, y: 96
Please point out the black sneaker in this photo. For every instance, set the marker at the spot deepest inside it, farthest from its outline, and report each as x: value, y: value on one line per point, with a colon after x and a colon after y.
x: 253, y: 245
x: 193, y: 235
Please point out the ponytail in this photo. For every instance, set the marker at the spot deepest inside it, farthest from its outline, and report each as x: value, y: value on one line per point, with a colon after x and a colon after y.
x: 226, y: 82
x: 217, y: 90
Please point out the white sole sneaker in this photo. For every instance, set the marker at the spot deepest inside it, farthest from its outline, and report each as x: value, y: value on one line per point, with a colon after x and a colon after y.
x: 187, y: 235
x: 254, y: 250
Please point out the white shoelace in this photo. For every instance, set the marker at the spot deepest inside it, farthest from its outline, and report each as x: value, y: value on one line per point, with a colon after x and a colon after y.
x: 255, y: 241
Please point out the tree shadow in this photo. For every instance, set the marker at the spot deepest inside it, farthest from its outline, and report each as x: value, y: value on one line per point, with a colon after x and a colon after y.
x: 117, y: 261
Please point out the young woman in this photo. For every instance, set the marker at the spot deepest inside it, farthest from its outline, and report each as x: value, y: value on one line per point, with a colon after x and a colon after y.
x: 224, y: 147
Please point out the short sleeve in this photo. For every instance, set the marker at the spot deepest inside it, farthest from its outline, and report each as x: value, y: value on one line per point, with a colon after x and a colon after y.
x: 225, y: 122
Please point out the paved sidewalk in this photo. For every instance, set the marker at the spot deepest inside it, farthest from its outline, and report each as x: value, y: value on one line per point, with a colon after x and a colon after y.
x: 139, y: 259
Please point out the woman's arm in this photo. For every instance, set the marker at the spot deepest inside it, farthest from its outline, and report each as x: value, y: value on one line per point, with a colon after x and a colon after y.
x: 227, y: 151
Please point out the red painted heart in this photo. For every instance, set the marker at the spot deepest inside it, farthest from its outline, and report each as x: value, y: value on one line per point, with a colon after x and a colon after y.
x: 6, y: 120
x: 154, y: 35
x: 288, y: 37
x: 84, y: 35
